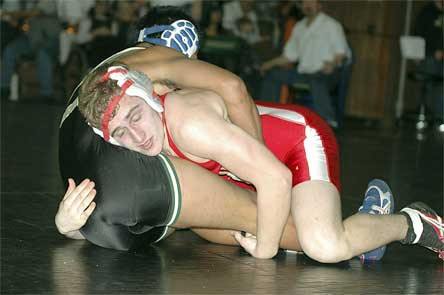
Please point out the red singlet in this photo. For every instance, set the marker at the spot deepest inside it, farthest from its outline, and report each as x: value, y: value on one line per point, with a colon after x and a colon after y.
x: 298, y: 137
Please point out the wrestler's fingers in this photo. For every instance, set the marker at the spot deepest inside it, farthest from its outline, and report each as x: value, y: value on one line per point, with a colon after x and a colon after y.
x: 248, y: 235
x: 85, y: 214
x: 79, y: 193
x: 249, y: 244
x: 70, y: 189
x: 86, y: 201
x: 77, y: 202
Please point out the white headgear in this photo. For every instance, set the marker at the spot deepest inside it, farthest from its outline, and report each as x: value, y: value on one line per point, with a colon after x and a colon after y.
x: 132, y: 83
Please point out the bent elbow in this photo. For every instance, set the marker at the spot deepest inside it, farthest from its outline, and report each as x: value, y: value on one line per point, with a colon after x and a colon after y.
x: 235, y: 91
x: 287, y: 177
x: 283, y: 177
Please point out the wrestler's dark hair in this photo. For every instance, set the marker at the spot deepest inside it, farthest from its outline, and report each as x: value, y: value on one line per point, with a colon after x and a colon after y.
x: 164, y: 15
x: 95, y: 94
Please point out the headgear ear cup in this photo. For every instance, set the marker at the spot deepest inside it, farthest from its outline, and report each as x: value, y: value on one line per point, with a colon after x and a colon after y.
x: 141, y: 87
x: 181, y: 35
x: 132, y: 83
x: 145, y: 87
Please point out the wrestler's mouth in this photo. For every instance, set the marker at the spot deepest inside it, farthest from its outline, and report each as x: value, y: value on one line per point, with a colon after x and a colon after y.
x: 147, y: 144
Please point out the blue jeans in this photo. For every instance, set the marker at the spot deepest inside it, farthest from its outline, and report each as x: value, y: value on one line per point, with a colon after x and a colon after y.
x: 19, y: 47
x: 320, y: 86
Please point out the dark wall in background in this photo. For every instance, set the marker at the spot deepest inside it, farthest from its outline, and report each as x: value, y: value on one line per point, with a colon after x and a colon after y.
x: 373, y: 30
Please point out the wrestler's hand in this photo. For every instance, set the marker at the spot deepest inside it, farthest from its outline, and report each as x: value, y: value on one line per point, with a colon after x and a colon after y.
x: 250, y: 244
x: 76, y: 206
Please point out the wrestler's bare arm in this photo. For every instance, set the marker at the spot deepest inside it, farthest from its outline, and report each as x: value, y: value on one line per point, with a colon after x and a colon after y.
x: 223, y: 236
x: 202, y: 131
x: 165, y: 64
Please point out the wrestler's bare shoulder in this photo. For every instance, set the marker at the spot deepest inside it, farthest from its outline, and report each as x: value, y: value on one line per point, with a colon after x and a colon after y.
x: 192, y: 106
x: 193, y: 101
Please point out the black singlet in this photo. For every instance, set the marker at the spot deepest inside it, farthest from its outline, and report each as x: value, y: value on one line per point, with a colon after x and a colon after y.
x: 138, y: 196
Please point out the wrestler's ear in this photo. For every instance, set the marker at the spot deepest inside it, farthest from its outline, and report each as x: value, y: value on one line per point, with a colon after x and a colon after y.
x: 143, y: 88
x: 141, y: 80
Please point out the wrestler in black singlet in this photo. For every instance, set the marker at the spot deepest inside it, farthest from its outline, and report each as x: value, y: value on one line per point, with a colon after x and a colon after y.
x: 137, y: 196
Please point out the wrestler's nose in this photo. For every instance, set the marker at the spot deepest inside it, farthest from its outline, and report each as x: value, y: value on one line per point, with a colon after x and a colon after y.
x: 137, y: 135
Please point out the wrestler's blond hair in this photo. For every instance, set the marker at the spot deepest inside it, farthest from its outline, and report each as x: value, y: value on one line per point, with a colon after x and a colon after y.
x: 95, y: 94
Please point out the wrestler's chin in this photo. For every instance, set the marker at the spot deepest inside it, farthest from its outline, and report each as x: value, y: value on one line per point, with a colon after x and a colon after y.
x: 152, y: 151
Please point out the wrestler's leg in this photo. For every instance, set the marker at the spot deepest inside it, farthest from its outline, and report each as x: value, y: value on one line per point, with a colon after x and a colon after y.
x: 209, y: 203
x: 324, y: 236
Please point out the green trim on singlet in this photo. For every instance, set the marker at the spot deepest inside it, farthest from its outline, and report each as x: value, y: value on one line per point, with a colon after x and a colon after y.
x: 173, y: 181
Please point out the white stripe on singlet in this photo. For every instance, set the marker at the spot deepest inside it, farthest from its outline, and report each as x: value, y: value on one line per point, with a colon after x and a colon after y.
x: 313, y: 146
x: 288, y: 115
x: 315, y: 153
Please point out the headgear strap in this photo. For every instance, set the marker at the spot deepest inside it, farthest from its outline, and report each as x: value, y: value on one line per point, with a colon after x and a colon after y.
x: 111, y: 106
x: 105, y: 77
x: 131, y: 83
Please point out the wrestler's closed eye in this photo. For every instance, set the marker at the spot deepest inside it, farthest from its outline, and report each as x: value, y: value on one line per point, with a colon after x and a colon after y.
x: 119, y: 132
x: 136, y: 117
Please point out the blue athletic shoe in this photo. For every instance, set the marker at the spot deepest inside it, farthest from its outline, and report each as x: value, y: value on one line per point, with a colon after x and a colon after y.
x: 378, y: 200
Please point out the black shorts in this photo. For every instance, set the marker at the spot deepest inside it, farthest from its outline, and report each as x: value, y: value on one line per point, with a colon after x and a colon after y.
x: 138, y: 196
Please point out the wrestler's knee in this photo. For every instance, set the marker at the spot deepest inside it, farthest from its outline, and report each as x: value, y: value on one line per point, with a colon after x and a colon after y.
x: 324, y: 246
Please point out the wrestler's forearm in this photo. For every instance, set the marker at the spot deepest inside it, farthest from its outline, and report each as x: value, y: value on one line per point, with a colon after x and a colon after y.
x: 288, y: 241
x: 246, y: 116
x: 242, y: 110
x: 273, y: 210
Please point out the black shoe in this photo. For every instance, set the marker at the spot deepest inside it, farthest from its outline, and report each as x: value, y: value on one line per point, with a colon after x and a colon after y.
x: 425, y: 227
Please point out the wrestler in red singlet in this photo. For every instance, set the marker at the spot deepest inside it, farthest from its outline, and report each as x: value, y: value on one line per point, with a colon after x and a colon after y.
x: 297, y: 137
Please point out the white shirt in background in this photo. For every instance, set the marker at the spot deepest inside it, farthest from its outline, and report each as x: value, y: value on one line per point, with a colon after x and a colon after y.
x: 232, y: 12
x: 72, y: 11
x: 170, y: 2
x: 315, y: 44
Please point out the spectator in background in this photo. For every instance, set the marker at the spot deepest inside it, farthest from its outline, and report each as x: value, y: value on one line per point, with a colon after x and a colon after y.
x: 211, y: 22
x: 318, y: 44
x: 97, y: 33
x: 288, y: 15
x: 125, y: 13
x: 39, y: 41
x: 70, y: 13
x: 240, y: 18
x: 429, y: 25
x: 191, y: 7
x: 12, y: 15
